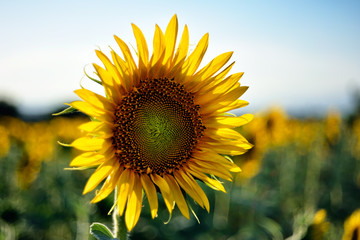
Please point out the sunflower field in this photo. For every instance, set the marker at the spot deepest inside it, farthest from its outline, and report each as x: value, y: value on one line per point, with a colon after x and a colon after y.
x: 301, y: 180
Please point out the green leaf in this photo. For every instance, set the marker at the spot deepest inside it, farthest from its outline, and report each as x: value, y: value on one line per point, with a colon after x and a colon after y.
x: 65, y: 111
x: 101, y: 232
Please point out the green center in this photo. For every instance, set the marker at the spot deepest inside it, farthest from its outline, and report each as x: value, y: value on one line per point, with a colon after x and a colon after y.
x: 157, y: 127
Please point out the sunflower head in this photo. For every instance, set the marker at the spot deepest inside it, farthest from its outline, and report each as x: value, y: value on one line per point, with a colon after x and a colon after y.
x: 163, y: 124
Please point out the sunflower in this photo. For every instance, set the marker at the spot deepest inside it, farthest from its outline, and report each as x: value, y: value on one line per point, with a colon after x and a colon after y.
x: 352, y: 227
x: 319, y: 226
x: 162, y: 125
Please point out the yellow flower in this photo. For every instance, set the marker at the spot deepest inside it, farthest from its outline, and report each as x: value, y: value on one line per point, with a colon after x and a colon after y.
x: 333, y: 126
x: 320, y: 226
x: 5, y: 141
x: 251, y: 162
x: 352, y: 226
x: 277, y: 126
x: 162, y: 125
x: 38, y: 143
x: 306, y: 133
x: 16, y: 128
x: 67, y: 129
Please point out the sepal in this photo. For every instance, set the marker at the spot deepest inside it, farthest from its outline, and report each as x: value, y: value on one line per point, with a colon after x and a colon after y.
x: 93, y: 79
x: 65, y: 111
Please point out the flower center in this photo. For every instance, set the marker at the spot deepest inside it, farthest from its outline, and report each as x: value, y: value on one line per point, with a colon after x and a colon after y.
x: 157, y: 126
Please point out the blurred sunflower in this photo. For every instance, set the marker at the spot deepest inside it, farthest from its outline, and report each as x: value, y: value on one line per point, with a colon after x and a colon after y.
x: 352, y: 227
x: 320, y: 225
x: 333, y: 127
x: 5, y: 141
x: 162, y: 125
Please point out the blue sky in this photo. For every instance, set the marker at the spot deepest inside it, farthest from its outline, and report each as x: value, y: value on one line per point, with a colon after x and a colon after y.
x: 302, y: 55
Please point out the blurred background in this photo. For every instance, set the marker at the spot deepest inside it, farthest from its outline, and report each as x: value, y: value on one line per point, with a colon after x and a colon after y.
x: 301, y: 61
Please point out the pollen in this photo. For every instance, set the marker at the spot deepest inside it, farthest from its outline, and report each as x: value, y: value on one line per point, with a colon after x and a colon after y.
x: 156, y: 127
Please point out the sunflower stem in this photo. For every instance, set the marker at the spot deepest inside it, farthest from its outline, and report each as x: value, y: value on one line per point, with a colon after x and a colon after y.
x: 123, y: 232
x: 115, y: 216
x: 119, y: 227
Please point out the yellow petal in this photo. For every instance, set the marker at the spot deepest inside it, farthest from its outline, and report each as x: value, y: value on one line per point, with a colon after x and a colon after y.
x: 87, y: 159
x: 90, y: 110
x: 193, y: 61
x: 111, y: 69
x: 240, y: 142
x: 127, y: 54
x: 170, y: 40
x: 215, y: 184
x: 234, y: 93
x: 142, y: 51
x: 223, y: 98
x: 220, y: 101
x: 119, y: 63
x: 228, y: 83
x: 215, y: 89
x: 158, y: 45
x: 165, y: 191
x: 101, y: 172
x: 220, y: 76
x: 97, y: 128
x: 187, y: 188
x: 178, y: 195
x: 109, y: 185
x: 123, y: 70
x: 203, y: 167
x: 229, y: 147
x: 129, y: 60
x: 125, y: 187
x: 87, y: 108
x: 191, y: 181
x: 158, y: 53
x: 214, y: 158
x: 96, y: 100
x: 111, y: 88
x: 107, y: 149
x: 212, y: 67
x: 217, y: 133
x: 90, y: 126
x: 235, y: 168
x: 182, y: 49
x: 228, y: 121
x: 133, y: 208
x: 235, y: 105
x: 88, y: 144
x: 222, y: 108
x: 151, y: 194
